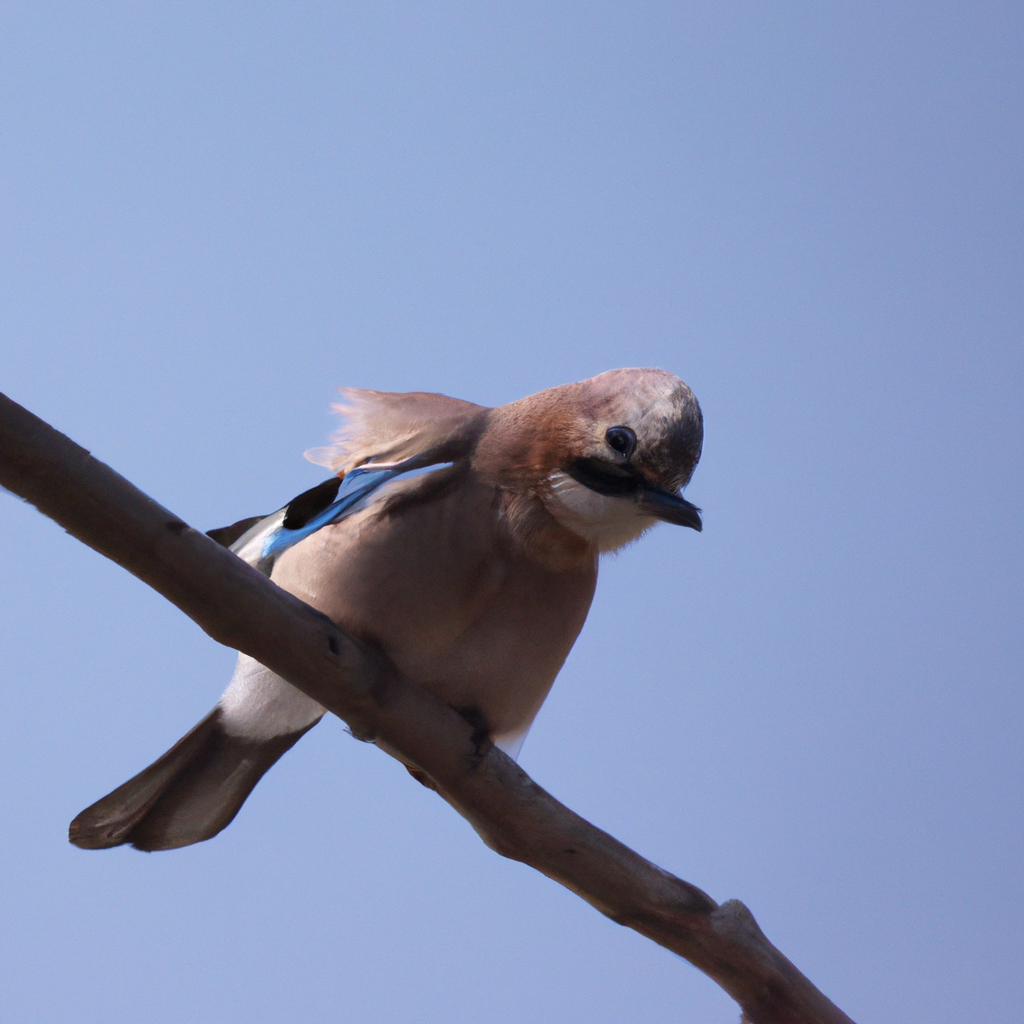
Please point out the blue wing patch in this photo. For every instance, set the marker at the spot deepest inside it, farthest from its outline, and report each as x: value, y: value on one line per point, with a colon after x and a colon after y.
x: 261, y: 545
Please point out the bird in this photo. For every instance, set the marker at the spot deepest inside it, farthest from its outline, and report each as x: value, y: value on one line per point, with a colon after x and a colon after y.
x: 461, y: 540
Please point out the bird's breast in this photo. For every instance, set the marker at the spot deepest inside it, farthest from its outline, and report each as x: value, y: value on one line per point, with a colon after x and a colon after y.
x: 442, y: 587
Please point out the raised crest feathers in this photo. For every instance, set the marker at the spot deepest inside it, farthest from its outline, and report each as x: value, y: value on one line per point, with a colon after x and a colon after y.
x: 385, y: 426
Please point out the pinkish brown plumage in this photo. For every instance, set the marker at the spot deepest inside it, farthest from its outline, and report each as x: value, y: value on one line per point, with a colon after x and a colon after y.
x: 462, y: 540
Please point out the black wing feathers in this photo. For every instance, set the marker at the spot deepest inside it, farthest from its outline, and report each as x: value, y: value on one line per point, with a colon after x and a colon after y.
x: 310, y: 503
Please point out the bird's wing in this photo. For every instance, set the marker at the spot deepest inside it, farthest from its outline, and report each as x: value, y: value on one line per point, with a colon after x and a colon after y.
x: 384, y: 436
x: 320, y: 506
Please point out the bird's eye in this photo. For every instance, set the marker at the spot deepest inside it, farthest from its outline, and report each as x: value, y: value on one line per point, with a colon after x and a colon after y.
x: 622, y: 439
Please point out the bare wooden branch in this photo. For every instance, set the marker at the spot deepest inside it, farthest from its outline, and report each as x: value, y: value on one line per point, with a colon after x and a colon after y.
x: 242, y: 609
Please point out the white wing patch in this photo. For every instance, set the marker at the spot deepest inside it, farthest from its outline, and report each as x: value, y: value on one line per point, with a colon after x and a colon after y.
x: 249, y: 547
x: 362, y: 486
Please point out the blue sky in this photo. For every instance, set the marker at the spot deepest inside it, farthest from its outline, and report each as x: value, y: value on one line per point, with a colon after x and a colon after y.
x: 211, y: 215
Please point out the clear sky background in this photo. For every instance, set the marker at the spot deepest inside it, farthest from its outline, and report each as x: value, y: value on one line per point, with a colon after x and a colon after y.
x: 211, y: 214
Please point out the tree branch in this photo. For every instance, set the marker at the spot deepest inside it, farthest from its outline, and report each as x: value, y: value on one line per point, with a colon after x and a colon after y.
x: 240, y: 608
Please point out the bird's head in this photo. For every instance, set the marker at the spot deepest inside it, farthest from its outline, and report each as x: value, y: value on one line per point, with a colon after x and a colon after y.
x: 606, y: 457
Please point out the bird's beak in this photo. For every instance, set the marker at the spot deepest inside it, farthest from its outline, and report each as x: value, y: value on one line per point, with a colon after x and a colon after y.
x: 671, y: 507
x: 615, y: 482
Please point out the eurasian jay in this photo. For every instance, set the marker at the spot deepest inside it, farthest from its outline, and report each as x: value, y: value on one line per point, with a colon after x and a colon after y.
x: 461, y: 540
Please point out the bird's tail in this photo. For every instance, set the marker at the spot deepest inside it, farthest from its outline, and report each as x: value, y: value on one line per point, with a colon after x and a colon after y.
x: 188, y: 795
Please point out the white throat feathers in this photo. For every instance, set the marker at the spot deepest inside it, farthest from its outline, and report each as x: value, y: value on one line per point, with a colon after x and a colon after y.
x: 609, y: 523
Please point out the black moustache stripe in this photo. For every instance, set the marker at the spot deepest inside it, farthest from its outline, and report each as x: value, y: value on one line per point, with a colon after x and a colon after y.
x: 605, y: 477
